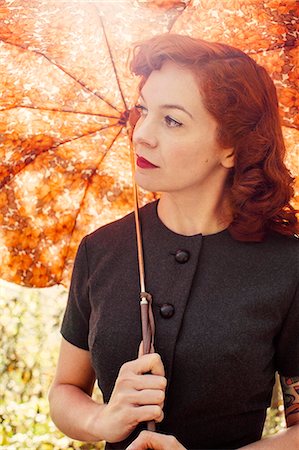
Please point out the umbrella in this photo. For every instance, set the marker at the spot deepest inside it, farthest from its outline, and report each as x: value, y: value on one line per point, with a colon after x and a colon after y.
x: 65, y: 96
x: 65, y: 148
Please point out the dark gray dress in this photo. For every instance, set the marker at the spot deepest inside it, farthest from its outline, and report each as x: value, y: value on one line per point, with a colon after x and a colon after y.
x: 227, y: 317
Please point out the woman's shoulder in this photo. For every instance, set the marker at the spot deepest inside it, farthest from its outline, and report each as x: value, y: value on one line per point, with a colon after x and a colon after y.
x: 275, y: 251
x: 280, y: 250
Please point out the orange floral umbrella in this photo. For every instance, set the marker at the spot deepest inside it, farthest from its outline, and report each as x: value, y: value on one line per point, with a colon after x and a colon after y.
x: 65, y: 95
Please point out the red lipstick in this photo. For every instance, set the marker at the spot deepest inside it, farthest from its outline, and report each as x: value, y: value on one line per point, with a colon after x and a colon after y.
x: 144, y: 163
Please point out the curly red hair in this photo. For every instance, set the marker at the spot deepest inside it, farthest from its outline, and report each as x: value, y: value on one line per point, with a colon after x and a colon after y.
x: 242, y: 98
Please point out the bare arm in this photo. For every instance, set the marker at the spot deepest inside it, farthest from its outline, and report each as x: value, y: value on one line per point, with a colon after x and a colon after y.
x: 71, y: 406
x: 137, y: 396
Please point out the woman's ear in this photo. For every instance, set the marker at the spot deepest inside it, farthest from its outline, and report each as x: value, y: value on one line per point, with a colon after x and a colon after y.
x: 228, y: 158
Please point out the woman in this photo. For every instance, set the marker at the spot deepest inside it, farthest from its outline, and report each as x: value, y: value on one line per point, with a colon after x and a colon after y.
x: 221, y: 265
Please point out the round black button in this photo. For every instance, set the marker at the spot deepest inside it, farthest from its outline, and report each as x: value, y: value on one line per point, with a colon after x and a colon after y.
x: 167, y: 310
x: 182, y: 256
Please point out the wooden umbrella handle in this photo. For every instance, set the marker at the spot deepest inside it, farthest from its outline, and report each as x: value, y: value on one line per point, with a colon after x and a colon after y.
x: 147, y: 323
x: 148, y: 332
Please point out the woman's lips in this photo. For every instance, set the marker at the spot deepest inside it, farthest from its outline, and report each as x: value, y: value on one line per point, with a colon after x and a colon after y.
x: 144, y: 163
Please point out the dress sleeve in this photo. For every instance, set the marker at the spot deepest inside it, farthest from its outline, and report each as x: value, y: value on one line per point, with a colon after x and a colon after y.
x: 287, y: 350
x: 75, y: 324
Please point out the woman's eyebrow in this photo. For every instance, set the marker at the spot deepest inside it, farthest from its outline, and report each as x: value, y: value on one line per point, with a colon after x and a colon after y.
x: 181, y: 108
x: 170, y: 106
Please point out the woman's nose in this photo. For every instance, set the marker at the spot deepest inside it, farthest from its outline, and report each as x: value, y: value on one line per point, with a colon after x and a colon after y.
x: 144, y: 133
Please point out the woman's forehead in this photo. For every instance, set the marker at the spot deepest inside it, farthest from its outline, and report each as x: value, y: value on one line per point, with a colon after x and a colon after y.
x: 172, y: 84
x: 170, y: 75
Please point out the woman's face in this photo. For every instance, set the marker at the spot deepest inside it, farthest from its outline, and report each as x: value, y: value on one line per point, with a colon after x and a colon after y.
x: 177, y: 135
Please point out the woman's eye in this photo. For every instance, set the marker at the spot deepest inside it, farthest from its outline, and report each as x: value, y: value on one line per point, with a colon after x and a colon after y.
x: 171, y: 122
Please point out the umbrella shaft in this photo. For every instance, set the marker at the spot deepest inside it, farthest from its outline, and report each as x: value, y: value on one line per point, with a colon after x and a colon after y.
x: 146, y: 332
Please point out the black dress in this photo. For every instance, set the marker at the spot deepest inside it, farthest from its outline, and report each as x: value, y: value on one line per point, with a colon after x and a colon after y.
x: 226, y: 313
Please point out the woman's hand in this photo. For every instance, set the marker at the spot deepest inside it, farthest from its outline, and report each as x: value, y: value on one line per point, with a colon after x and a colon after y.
x: 155, y: 441
x: 138, y: 396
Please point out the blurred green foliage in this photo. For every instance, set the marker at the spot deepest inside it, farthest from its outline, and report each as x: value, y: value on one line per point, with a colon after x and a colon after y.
x: 29, y: 342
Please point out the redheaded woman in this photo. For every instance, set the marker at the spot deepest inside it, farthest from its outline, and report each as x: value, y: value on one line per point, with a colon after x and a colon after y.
x: 221, y: 262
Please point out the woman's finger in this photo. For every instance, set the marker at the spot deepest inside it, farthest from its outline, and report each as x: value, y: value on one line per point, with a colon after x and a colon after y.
x: 149, y: 382
x: 155, y: 441
x: 140, y: 414
x: 151, y: 362
x: 148, y: 397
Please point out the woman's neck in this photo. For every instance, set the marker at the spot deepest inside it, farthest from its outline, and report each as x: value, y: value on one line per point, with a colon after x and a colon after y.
x: 189, y: 216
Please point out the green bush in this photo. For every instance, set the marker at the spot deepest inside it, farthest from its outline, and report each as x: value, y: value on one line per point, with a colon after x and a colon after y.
x: 29, y: 342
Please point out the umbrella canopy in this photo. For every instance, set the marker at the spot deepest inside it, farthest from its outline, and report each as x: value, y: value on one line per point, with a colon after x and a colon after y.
x: 65, y: 95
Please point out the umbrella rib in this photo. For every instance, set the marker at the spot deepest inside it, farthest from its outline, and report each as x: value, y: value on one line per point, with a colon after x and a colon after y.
x: 114, y: 139
x: 113, y: 63
x: 108, y: 116
x: 64, y: 71
x: 88, y: 182
x: 37, y: 153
